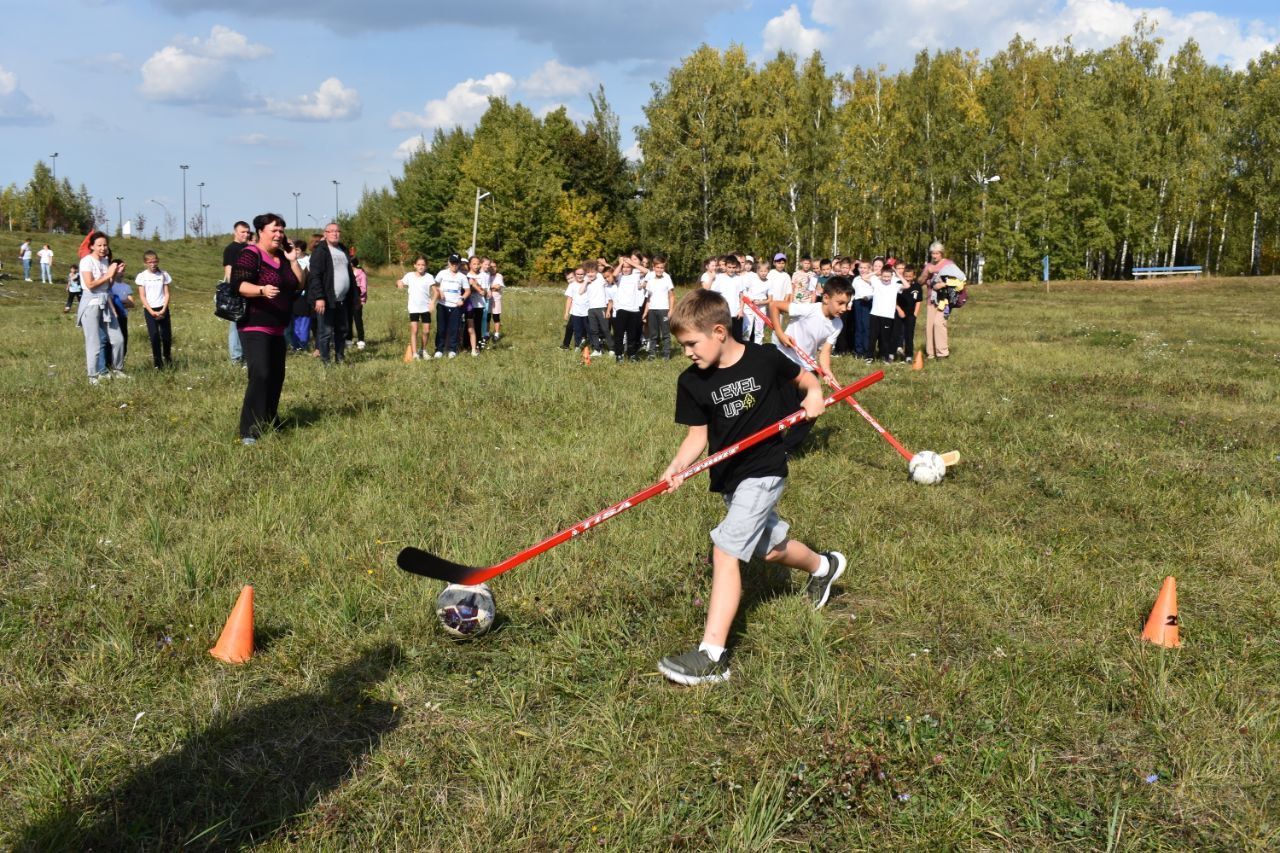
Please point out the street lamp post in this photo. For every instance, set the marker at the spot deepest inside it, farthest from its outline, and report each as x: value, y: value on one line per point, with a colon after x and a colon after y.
x: 166, y: 216
x: 202, y: 228
x: 184, y: 168
x: 297, y: 220
x: 983, y: 181
x: 204, y: 217
x: 54, y: 158
x: 335, y: 201
x: 120, y: 212
x: 475, y: 221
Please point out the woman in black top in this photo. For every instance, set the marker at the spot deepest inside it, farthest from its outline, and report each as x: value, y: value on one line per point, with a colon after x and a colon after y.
x: 266, y: 273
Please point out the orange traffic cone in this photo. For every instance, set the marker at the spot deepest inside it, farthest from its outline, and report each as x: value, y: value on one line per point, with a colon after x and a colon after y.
x: 408, y: 353
x: 236, y: 643
x: 586, y: 354
x: 918, y: 364
x: 1162, y: 624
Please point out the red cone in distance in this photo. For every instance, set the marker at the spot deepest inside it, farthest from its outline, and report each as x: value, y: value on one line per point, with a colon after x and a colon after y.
x: 236, y: 643
x: 1162, y: 624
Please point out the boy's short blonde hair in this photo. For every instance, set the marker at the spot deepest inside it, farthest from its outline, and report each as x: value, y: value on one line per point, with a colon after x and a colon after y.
x: 700, y: 311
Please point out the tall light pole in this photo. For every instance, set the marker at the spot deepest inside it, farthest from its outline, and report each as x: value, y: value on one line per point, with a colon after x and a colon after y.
x: 202, y: 229
x: 983, y: 181
x: 335, y: 201
x: 475, y: 221
x: 184, y: 168
x: 54, y: 158
x: 120, y: 212
x: 204, y: 217
x: 166, y: 215
x: 297, y: 220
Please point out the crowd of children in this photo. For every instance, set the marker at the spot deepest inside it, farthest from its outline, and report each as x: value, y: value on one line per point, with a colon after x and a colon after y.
x: 466, y: 302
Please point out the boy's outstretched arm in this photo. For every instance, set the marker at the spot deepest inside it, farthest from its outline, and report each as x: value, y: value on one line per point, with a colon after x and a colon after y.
x: 695, y: 441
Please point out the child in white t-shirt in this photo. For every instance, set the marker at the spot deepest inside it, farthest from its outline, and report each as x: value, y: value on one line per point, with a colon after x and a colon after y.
x: 153, y: 289
x: 46, y: 264
x: 657, y: 310
x: 884, y: 305
x: 755, y: 289
x: 418, y: 283
x: 813, y: 330
x: 496, y: 285
x: 577, y: 307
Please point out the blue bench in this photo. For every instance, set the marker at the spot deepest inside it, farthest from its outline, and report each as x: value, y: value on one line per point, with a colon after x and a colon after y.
x: 1139, y: 272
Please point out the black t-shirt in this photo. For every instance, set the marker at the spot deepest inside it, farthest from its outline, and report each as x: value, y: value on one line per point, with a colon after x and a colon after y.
x: 734, y: 402
x: 909, y: 298
x: 230, y: 254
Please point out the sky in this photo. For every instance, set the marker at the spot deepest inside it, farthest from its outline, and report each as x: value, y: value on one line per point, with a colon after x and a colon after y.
x: 265, y: 100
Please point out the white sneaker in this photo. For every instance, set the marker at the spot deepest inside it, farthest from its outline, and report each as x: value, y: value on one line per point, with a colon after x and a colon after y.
x: 359, y: 344
x: 439, y: 354
x: 595, y: 353
x: 417, y: 356
x: 453, y: 355
x: 474, y: 352
x: 119, y: 374
x: 93, y: 380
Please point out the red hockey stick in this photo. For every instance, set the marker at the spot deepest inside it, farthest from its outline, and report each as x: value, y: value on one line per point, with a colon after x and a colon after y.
x: 949, y: 458
x: 419, y: 562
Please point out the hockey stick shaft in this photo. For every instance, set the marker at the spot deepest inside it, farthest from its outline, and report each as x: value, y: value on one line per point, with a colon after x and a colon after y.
x: 835, y: 386
x: 422, y: 563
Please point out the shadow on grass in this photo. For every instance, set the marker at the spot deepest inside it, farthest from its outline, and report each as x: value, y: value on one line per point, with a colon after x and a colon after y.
x: 240, y: 781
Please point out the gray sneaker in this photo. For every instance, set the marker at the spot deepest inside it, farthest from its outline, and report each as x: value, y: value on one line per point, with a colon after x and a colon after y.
x: 819, y: 589
x: 693, y: 668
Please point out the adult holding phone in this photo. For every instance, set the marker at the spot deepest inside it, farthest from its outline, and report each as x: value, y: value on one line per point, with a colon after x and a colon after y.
x: 267, y: 274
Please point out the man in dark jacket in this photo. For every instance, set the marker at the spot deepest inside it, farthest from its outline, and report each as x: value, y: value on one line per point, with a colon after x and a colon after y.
x: 332, y: 290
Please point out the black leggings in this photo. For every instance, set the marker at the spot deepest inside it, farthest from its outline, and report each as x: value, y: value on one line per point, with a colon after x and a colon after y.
x: 264, y: 358
x: 357, y: 321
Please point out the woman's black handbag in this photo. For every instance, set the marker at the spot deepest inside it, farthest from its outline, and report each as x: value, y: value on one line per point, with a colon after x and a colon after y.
x: 228, y: 303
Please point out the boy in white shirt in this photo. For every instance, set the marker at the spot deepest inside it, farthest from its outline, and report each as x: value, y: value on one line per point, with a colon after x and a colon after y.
x: 884, y: 305
x: 628, y: 305
x: 814, y: 328
x: 153, y: 286
x: 593, y: 286
x: 780, y: 286
x: 658, y: 309
x: 728, y: 284
x: 755, y: 290
x: 576, y: 307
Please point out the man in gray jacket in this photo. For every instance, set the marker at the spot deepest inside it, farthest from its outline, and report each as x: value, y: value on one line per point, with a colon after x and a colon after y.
x: 331, y: 287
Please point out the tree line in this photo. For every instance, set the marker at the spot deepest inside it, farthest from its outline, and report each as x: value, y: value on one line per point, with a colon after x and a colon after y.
x: 1101, y: 160
x: 45, y: 204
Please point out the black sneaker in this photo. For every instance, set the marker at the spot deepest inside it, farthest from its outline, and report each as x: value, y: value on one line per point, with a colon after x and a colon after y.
x: 819, y: 588
x: 693, y: 668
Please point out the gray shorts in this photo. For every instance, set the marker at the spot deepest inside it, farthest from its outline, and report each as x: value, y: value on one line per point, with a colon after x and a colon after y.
x: 751, y: 528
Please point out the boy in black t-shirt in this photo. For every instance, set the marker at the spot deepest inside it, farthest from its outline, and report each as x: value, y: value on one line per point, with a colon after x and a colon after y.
x: 731, y: 391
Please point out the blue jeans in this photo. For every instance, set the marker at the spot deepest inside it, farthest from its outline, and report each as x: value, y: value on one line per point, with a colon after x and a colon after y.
x: 26, y: 268
x: 448, y: 327
x: 233, y: 343
x: 862, y: 327
x: 46, y: 273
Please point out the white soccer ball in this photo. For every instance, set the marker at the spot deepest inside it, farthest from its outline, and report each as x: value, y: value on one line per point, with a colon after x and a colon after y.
x: 465, y: 611
x: 927, y: 468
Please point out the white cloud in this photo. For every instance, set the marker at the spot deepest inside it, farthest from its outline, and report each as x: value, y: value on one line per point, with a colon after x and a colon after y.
x: 463, y: 105
x: 788, y: 33
x: 224, y: 43
x: 16, y: 107
x: 635, y: 153
x: 203, y: 73
x: 411, y: 146
x: 880, y: 30
x: 173, y: 76
x: 331, y: 102
x: 556, y: 80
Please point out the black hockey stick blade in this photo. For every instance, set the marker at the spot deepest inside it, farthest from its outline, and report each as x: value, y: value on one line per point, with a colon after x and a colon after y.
x: 416, y: 561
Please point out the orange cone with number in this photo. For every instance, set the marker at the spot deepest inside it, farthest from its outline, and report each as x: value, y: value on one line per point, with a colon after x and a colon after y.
x: 236, y: 643
x: 408, y: 353
x: 918, y: 364
x: 1162, y: 624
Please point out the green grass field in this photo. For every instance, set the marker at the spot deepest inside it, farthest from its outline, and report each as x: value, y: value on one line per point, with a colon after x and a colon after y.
x: 976, y: 683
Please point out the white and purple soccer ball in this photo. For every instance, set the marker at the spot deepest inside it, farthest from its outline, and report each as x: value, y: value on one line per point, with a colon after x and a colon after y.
x: 465, y: 611
x: 927, y: 468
